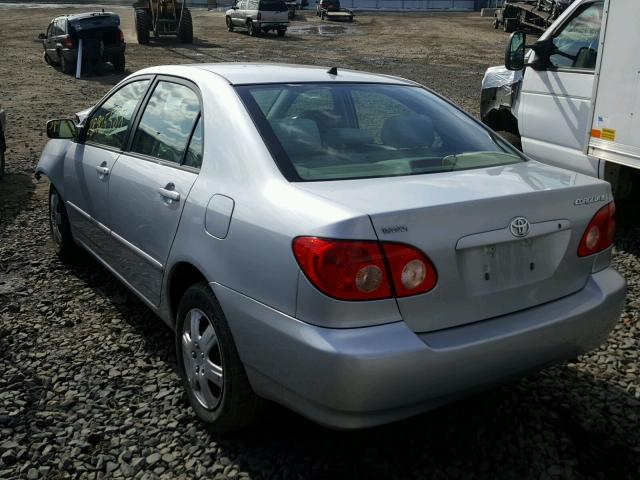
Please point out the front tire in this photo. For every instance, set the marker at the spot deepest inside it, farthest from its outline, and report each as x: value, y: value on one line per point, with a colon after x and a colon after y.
x: 212, y: 373
x: 229, y: 24
x: 59, y: 227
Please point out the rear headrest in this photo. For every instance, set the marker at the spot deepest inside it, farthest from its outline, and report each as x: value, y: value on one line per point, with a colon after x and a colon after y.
x: 298, y: 136
x: 408, y: 131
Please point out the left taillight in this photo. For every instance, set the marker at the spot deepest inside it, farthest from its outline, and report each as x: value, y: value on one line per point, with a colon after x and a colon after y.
x: 364, y: 270
x: 600, y: 232
x: 67, y: 42
x: 121, y: 36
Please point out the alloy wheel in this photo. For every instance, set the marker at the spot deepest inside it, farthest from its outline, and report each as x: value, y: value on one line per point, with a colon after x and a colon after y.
x: 202, y: 359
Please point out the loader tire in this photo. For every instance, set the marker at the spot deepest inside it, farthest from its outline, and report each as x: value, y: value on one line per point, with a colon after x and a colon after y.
x: 142, y: 26
x: 185, y: 29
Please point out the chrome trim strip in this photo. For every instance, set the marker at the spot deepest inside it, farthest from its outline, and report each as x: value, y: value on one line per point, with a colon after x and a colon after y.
x: 138, y: 252
x: 101, y: 226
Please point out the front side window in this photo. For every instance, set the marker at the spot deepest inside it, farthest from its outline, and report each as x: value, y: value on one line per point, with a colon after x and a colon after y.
x: 345, y: 131
x: 576, y: 44
x: 167, y: 122
x: 109, y: 123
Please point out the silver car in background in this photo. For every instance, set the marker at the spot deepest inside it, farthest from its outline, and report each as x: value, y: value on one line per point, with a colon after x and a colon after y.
x: 350, y: 245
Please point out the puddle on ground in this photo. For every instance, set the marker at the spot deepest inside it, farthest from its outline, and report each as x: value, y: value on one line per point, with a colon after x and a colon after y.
x: 324, y: 29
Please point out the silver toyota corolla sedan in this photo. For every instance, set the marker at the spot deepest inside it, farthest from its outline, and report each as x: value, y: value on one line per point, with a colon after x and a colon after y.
x: 350, y: 245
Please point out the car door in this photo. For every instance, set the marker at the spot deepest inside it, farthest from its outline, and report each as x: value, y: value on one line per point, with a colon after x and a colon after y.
x: 151, y: 181
x: 240, y: 12
x: 555, y: 101
x: 89, y: 162
x: 49, y: 43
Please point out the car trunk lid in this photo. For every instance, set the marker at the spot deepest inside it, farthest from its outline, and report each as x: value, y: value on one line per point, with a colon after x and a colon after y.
x: 464, y: 222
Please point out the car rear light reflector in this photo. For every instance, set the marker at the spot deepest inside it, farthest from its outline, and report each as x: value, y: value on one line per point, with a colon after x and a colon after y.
x: 363, y: 269
x: 121, y: 36
x: 600, y: 232
x: 412, y: 272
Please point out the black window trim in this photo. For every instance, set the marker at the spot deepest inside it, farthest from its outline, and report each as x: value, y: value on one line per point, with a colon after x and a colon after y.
x: 109, y: 94
x: 138, y: 116
x: 557, y: 31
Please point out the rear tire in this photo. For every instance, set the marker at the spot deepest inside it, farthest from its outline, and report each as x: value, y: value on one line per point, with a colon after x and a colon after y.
x: 229, y: 24
x: 225, y: 400
x: 119, y: 63
x: 282, y: 32
x: 251, y: 29
x: 60, y: 229
x: 142, y: 26
x: 185, y: 29
x: 66, y: 65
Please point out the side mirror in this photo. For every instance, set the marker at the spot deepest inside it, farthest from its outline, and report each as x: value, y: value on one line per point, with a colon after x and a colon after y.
x: 514, y: 56
x: 62, y: 128
x: 42, y: 36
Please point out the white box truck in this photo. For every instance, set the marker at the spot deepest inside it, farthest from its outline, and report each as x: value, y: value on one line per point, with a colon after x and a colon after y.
x: 573, y: 100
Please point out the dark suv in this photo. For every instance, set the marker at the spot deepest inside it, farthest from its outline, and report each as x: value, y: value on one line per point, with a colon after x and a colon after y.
x: 102, y: 41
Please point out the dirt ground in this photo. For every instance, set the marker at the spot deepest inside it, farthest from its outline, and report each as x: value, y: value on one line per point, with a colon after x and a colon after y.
x: 88, y: 382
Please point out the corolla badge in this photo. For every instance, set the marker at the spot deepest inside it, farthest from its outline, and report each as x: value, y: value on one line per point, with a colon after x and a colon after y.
x: 519, y: 227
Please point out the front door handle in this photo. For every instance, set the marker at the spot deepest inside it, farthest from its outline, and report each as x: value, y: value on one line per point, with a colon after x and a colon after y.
x: 169, y: 192
x: 102, y: 170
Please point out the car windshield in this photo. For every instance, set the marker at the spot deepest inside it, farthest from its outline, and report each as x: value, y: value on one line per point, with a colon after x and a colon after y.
x: 345, y: 131
x: 272, y: 5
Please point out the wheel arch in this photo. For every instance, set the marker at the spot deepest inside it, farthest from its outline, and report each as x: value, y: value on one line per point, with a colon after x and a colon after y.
x: 182, y: 275
x: 501, y: 119
x: 51, y: 164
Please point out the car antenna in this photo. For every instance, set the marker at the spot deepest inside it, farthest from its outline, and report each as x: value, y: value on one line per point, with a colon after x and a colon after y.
x: 333, y: 71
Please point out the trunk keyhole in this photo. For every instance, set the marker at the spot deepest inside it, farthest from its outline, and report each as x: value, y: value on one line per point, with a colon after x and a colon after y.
x: 532, y: 266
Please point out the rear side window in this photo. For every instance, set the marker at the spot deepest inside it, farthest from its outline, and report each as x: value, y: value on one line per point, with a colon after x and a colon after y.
x: 109, y: 123
x: 167, y: 122
x: 273, y: 5
x: 194, y: 152
x: 337, y: 131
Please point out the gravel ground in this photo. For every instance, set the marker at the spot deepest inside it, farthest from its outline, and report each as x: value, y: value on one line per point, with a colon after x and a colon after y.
x: 88, y: 382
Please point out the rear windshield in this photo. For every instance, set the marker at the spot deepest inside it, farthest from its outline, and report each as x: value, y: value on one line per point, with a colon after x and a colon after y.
x: 345, y: 131
x: 272, y: 5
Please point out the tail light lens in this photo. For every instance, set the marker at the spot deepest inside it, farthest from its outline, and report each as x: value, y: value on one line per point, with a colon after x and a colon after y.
x: 121, y: 36
x: 364, y: 270
x: 600, y: 233
x: 344, y: 269
x: 67, y: 42
x: 259, y: 16
x: 411, y: 270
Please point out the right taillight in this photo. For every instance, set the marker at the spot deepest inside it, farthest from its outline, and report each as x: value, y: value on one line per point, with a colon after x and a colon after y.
x: 600, y: 232
x: 362, y: 269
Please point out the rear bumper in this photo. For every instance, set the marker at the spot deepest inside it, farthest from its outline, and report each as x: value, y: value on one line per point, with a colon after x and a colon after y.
x: 108, y: 53
x: 361, y: 377
x: 267, y: 24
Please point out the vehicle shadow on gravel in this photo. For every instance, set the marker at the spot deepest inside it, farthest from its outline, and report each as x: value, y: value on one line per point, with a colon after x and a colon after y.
x: 15, y: 190
x: 561, y: 420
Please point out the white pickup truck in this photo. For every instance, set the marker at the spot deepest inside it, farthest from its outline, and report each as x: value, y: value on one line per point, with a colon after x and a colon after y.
x: 573, y: 100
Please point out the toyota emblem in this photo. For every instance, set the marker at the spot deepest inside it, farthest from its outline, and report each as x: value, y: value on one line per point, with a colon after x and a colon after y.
x: 520, y: 227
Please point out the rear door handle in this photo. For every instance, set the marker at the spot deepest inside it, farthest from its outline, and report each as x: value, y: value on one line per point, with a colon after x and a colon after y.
x: 169, y: 192
x: 102, y: 170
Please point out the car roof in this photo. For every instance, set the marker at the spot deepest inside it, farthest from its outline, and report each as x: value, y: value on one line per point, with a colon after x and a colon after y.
x: 262, y: 73
x: 81, y: 16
